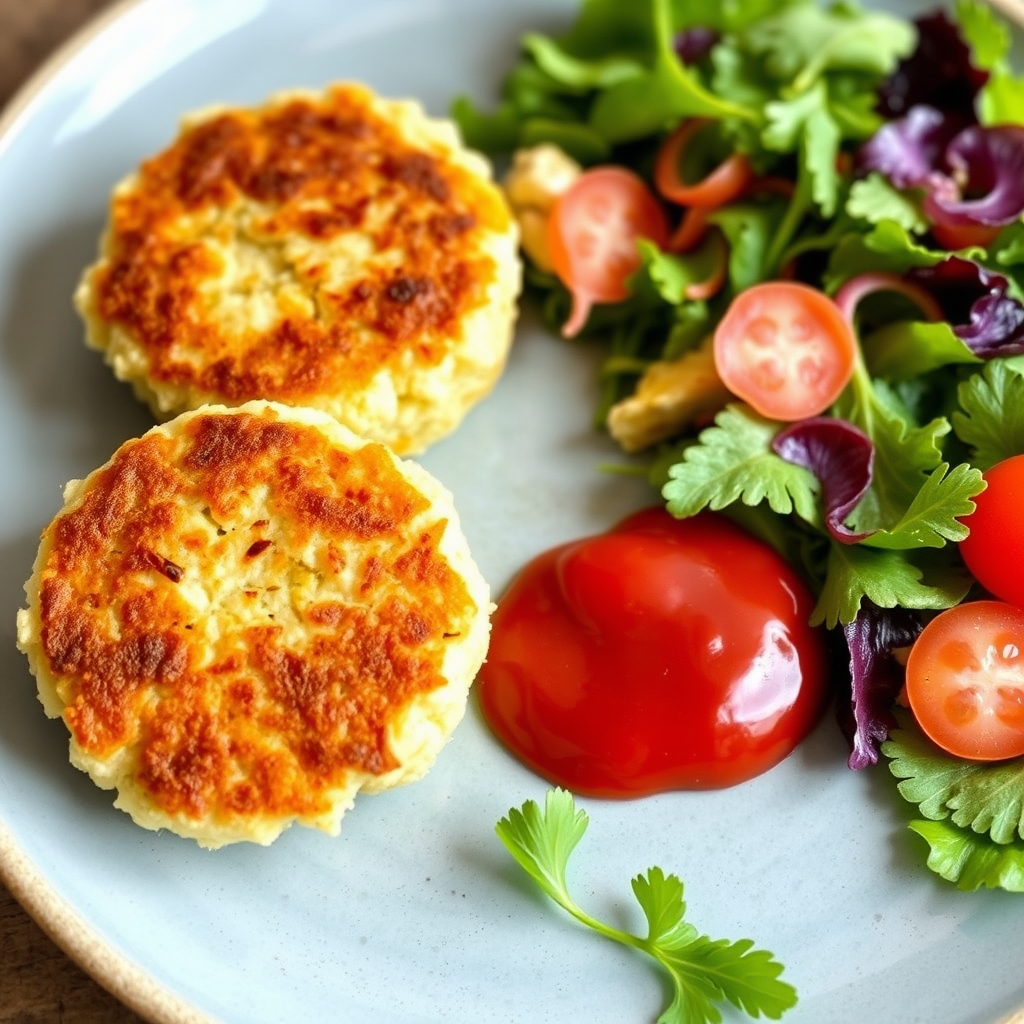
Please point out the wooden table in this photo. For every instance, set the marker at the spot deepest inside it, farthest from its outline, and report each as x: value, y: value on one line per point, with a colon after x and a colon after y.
x: 38, y: 983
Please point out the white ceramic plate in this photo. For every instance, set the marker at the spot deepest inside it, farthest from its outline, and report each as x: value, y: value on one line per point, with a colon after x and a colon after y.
x: 416, y: 914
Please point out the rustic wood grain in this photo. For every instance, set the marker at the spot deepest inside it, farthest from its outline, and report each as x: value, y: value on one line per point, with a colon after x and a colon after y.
x: 38, y: 983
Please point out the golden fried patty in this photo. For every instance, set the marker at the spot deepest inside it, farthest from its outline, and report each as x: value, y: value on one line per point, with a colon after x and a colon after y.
x: 334, y: 250
x: 248, y: 615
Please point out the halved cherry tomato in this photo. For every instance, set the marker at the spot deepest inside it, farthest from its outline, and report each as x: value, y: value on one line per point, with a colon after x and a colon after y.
x: 725, y: 182
x: 786, y: 349
x: 965, y: 680
x: 593, y: 231
x: 994, y: 549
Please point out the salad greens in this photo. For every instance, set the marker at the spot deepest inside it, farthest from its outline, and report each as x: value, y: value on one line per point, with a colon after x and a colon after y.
x: 900, y: 146
x: 704, y: 972
x: 972, y: 814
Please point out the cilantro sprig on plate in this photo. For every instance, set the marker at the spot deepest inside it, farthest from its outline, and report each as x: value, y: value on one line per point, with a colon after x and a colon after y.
x: 703, y: 972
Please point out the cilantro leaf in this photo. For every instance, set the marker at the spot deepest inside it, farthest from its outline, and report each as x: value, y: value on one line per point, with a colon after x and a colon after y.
x: 650, y: 102
x: 932, y: 516
x: 889, y: 579
x: 905, y: 454
x: 672, y: 273
x: 971, y: 861
x: 733, y: 461
x: 990, y: 419
x: 974, y: 811
x: 874, y: 199
x: 704, y: 972
x: 804, y: 40
x: 985, y: 798
x: 805, y: 124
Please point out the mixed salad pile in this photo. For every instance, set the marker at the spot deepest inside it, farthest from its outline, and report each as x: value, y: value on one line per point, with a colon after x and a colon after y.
x: 798, y: 232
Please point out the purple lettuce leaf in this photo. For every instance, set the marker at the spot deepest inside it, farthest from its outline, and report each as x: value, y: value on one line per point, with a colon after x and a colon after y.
x: 876, y: 677
x: 908, y: 150
x: 982, y: 178
x: 938, y: 73
x: 976, y: 303
x: 841, y: 456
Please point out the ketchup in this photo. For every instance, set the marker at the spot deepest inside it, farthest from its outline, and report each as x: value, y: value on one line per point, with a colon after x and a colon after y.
x: 663, y: 654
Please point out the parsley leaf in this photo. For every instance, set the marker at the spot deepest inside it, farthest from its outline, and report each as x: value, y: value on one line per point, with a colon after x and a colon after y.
x: 991, y: 415
x: 733, y: 461
x: 671, y: 273
x: 704, y: 972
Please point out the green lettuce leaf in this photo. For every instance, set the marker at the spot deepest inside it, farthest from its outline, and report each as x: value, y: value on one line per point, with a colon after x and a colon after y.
x: 1001, y: 98
x: 906, y: 349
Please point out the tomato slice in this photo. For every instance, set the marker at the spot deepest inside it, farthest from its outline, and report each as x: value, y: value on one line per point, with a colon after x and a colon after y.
x: 593, y: 231
x: 691, y: 230
x: 786, y: 349
x: 965, y: 680
x: 994, y: 548
x: 721, y: 185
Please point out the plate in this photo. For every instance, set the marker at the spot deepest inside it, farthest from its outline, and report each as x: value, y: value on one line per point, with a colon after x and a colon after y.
x: 415, y: 914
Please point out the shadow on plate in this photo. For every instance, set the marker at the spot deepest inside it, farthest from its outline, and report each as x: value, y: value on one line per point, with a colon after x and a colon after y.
x: 68, y: 392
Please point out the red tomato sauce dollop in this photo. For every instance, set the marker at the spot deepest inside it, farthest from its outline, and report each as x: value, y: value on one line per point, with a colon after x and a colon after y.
x: 663, y: 654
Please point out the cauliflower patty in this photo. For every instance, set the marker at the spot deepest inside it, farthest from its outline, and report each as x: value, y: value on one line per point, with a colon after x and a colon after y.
x: 247, y: 616
x: 332, y: 250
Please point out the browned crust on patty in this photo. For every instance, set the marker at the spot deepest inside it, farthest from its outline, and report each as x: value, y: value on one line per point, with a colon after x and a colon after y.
x: 314, y: 168
x: 258, y: 716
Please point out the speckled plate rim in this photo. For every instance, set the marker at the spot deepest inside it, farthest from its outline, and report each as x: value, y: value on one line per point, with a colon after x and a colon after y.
x: 114, y: 971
